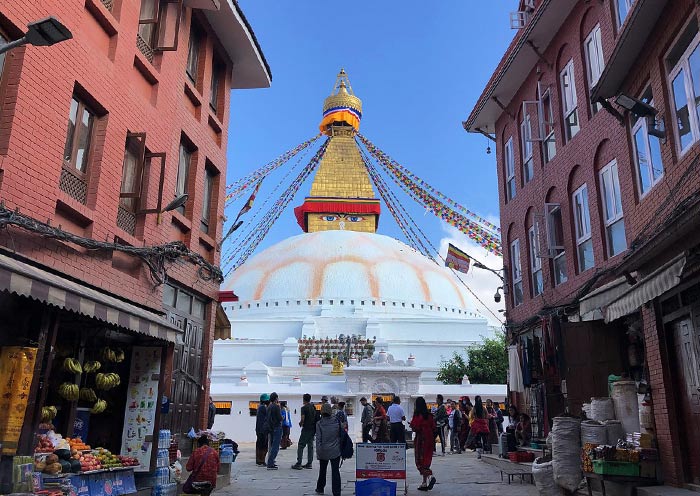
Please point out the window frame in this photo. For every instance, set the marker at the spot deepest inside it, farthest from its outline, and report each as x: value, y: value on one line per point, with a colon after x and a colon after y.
x: 527, y: 148
x: 556, y: 251
x: 596, y: 36
x: 140, y: 160
x: 509, y: 167
x: 159, y: 23
x: 516, y: 272
x: 4, y: 40
x: 533, y: 236
x: 628, y: 6
x: 582, y: 225
x: 683, y: 65
x: 218, y: 78
x: 618, y: 214
x: 207, y: 199
x: 546, y: 125
x: 183, y: 172
x: 569, y: 102
x: 195, y: 41
x: 642, y: 125
x: 70, y: 163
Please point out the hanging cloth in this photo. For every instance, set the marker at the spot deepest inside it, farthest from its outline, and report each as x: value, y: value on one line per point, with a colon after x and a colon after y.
x: 515, y: 375
x: 527, y: 377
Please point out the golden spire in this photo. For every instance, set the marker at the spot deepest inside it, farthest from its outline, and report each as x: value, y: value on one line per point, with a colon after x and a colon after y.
x: 342, y: 106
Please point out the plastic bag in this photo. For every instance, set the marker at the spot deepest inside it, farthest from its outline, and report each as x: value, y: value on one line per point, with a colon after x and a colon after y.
x: 543, y: 474
x: 176, y: 472
x: 192, y: 434
x: 566, y: 452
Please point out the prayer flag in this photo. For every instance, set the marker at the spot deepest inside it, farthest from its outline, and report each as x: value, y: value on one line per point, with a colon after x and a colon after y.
x: 248, y: 204
x: 456, y: 259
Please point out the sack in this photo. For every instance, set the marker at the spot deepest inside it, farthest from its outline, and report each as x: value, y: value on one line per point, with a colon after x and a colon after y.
x: 543, y: 475
x: 346, y: 447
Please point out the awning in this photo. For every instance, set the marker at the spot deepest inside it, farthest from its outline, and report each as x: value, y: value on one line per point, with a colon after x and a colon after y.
x: 592, y: 305
x: 635, y: 32
x: 655, y: 284
x: 222, y: 326
x: 26, y: 280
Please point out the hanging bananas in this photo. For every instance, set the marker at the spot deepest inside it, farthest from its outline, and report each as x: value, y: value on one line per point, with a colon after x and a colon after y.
x: 72, y: 365
x: 48, y: 413
x: 99, y: 407
x: 114, y: 356
x: 107, y: 381
x: 92, y: 366
x: 69, y: 392
x: 88, y: 395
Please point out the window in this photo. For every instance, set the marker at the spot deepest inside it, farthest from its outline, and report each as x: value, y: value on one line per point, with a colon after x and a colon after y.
x: 148, y: 18
x: 647, y: 151
x: 526, y: 143
x: 193, y: 53
x: 612, y: 209
x: 209, y: 180
x: 684, y: 63
x: 623, y: 8
x: 516, y: 272
x: 533, y: 235
x: 549, y: 146
x: 183, y: 173
x: 582, y: 223
x: 555, y: 242
x: 132, y: 171
x: 218, y: 75
x: 569, y: 102
x: 510, y: 169
x: 78, y: 136
x: 3, y: 42
x: 159, y: 25
x: 594, y: 60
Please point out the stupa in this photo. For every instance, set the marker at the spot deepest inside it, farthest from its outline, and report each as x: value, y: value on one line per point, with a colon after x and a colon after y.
x: 341, y: 292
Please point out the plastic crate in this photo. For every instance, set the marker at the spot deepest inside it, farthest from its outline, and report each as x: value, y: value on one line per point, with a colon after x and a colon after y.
x: 604, y: 467
x: 375, y: 487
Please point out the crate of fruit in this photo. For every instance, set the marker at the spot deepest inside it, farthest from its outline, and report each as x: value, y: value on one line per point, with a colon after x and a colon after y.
x: 604, y: 467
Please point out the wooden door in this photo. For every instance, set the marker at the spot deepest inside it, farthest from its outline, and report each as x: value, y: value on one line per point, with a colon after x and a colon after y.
x: 686, y: 345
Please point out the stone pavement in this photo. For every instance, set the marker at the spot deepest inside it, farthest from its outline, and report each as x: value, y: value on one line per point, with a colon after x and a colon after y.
x: 457, y: 475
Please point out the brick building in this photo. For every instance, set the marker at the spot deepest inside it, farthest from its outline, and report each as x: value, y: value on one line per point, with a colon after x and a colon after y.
x: 597, y: 158
x: 98, y: 134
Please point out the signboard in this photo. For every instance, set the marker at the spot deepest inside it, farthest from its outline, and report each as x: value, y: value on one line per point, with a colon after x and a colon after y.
x: 380, y: 460
x: 314, y: 362
x: 16, y: 375
x: 141, y: 403
x: 385, y: 397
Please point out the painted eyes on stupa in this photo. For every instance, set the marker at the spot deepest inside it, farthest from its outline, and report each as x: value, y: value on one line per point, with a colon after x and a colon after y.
x: 349, y: 218
x: 329, y: 218
x: 355, y: 218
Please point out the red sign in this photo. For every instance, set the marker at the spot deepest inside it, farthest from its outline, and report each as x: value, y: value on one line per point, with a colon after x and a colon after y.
x: 314, y: 362
x: 380, y: 474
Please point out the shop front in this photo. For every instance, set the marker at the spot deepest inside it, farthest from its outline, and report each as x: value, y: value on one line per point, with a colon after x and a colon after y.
x: 82, y: 375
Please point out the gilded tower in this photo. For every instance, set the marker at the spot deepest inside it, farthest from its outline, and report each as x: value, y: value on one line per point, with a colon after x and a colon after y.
x: 342, y: 197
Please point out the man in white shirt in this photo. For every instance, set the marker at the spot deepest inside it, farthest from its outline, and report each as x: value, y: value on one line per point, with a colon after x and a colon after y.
x: 396, y: 415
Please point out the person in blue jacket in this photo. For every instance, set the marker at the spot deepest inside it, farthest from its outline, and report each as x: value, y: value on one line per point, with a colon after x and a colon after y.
x: 286, y: 425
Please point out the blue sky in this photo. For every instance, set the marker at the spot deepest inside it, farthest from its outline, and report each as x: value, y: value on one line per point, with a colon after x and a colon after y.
x: 418, y: 67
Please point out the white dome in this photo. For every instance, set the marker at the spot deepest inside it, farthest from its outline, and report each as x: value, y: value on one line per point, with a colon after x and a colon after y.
x: 346, y: 264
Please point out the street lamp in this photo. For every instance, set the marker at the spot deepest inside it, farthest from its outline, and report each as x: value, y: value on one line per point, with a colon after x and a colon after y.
x: 497, y: 295
x: 45, y: 32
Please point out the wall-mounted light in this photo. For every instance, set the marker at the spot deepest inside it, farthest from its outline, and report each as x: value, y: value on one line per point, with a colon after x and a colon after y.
x: 642, y: 110
x: 45, y: 32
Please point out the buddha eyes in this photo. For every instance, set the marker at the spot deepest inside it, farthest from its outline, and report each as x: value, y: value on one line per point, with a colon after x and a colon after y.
x: 349, y: 218
x: 329, y: 218
x: 355, y: 218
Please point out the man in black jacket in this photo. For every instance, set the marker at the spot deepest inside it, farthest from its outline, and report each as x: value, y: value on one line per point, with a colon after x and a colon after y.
x: 274, y: 421
x: 261, y: 431
x: 309, y: 417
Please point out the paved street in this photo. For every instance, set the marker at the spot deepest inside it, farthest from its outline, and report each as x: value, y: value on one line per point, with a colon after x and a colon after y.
x: 457, y: 475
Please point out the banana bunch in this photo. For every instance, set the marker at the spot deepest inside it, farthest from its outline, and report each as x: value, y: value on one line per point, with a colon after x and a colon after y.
x: 107, y: 381
x: 72, y: 365
x: 120, y: 355
x: 99, y: 406
x: 69, y: 391
x: 114, y: 356
x: 48, y: 413
x: 92, y: 366
x: 88, y: 395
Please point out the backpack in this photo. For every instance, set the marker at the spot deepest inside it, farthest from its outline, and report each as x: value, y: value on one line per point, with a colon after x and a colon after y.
x: 346, y: 447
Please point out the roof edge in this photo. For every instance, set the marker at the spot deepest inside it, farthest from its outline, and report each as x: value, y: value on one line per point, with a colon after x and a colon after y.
x: 251, y: 33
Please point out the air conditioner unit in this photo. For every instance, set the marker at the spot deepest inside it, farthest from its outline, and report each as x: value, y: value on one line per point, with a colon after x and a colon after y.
x: 518, y: 19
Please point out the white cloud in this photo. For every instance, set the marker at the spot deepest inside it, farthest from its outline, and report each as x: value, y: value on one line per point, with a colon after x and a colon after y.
x: 482, y: 282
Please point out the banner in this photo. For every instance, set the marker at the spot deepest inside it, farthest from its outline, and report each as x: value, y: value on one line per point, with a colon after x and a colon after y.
x: 380, y: 460
x: 16, y: 374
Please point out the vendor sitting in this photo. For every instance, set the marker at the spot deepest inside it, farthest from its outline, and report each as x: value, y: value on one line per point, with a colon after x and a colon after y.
x: 203, y: 466
x: 523, y: 430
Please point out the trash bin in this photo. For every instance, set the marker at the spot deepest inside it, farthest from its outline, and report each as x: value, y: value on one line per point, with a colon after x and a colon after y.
x: 375, y: 487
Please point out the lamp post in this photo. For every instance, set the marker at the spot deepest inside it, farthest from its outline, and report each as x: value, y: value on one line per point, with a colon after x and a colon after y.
x: 497, y: 295
x: 45, y: 32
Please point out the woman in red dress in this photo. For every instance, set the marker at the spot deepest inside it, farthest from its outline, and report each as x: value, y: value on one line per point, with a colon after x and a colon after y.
x: 424, y: 427
x: 380, y: 431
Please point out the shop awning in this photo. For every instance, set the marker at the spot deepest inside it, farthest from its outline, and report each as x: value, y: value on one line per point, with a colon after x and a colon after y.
x: 655, y: 284
x: 592, y: 305
x: 222, y: 326
x: 27, y: 280
x: 631, y: 40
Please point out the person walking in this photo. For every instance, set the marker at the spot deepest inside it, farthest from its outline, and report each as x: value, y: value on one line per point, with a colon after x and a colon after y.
x: 478, y: 427
x: 342, y: 416
x: 380, y: 432
x: 261, y: 430
x: 211, y: 414
x: 397, y: 432
x: 456, y: 426
x: 423, y: 426
x: 203, y: 466
x: 328, y: 450
x: 308, y: 431
x: 441, y: 419
x: 274, y: 420
x: 286, y: 426
x: 464, y: 426
x: 366, y: 420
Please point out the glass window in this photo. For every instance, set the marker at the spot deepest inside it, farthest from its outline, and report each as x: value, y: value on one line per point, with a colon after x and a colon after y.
x: 132, y: 168
x: 184, y: 302
x: 549, y: 146
x: 526, y: 144
x: 198, y: 307
x: 555, y: 241
x: 169, y: 295
x: 193, y: 54
x: 582, y: 223
x: 509, y: 160
x: 183, y: 172
x: 78, y: 136
x: 217, y: 79
x: 516, y: 272
x: 594, y: 60
x: 612, y: 209
x: 3, y: 42
x: 148, y: 17
x: 647, y: 151
x: 684, y: 64
x: 535, y: 259
x: 569, y: 101
x: 209, y: 177
x: 623, y: 8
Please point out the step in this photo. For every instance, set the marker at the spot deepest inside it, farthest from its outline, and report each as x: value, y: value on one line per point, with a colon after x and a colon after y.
x: 664, y: 491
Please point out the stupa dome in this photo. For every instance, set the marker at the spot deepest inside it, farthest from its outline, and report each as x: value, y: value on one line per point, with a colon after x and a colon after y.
x: 346, y: 264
